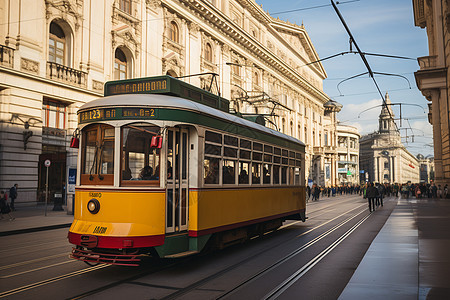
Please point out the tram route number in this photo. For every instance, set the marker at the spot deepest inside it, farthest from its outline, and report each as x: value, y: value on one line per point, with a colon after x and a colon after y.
x: 100, y: 229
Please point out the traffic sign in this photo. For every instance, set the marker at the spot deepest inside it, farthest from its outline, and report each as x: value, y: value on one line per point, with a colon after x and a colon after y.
x: 47, y: 163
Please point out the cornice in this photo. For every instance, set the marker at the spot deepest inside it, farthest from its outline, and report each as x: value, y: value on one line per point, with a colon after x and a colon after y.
x: 221, y: 22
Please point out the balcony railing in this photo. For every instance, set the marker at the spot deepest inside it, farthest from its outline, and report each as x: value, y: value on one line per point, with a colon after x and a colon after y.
x: 427, y: 62
x: 6, y: 56
x: 66, y: 74
x: 318, y: 150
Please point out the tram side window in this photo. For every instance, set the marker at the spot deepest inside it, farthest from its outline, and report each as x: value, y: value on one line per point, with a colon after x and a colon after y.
x: 228, y: 172
x: 139, y: 160
x: 243, y: 172
x: 256, y: 173
x: 211, y: 167
x: 98, y: 155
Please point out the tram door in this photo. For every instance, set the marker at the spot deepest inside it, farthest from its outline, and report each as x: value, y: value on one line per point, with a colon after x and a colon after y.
x: 177, y: 180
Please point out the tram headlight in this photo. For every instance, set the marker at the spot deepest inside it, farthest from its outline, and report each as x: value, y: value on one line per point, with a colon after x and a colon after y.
x: 93, y: 206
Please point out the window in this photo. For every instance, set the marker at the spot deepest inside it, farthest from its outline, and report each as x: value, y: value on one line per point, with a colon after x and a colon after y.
x: 56, y: 44
x: 236, y: 68
x: 325, y: 137
x: 211, y: 167
x: 97, y: 166
x: 120, y: 65
x: 386, y: 165
x: 228, y: 172
x: 174, y: 32
x: 54, y: 114
x: 208, y: 52
x: 243, y: 172
x: 125, y: 5
x: 140, y: 162
x: 256, y: 78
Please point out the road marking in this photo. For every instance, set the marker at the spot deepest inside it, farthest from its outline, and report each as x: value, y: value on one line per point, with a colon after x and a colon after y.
x: 31, y: 261
x: 51, y: 280
x: 37, y: 269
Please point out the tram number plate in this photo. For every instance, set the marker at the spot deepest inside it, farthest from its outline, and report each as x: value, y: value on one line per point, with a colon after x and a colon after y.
x: 100, y: 229
x: 89, y: 241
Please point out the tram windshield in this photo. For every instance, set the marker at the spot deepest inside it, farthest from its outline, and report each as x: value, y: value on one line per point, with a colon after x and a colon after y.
x: 98, y: 155
x: 140, y: 162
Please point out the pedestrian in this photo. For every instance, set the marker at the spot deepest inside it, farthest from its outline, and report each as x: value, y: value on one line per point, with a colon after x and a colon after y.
x: 5, y: 209
x: 308, y: 190
x: 13, y: 195
x: 371, y: 194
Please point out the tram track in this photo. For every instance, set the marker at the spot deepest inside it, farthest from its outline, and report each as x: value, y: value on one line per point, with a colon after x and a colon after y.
x: 269, y: 268
x: 315, y: 214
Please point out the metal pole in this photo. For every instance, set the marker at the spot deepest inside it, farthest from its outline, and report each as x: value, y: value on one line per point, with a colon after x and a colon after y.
x: 46, y: 192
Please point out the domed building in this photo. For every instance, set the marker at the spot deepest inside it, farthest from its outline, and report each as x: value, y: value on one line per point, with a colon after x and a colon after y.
x: 383, y: 158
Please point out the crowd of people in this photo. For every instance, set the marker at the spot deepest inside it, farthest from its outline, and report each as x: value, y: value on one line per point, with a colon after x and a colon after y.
x: 375, y: 192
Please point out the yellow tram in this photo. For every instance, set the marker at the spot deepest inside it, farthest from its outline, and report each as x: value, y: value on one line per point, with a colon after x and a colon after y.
x: 165, y: 170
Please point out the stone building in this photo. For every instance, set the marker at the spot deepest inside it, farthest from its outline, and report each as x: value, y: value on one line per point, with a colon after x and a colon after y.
x: 433, y: 78
x: 426, y: 168
x: 383, y: 157
x: 57, y: 54
x: 348, y: 154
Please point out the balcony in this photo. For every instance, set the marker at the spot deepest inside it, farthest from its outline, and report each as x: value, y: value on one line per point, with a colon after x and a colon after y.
x: 6, y: 56
x: 318, y: 150
x: 66, y: 74
x: 330, y: 149
x: 427, y: 62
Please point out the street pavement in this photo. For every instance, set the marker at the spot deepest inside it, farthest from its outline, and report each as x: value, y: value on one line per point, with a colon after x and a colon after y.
x: 32, y: 217
x: 408, y: 259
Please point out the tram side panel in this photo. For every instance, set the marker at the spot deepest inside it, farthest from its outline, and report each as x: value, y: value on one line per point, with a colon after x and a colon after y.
x: 217, y: 210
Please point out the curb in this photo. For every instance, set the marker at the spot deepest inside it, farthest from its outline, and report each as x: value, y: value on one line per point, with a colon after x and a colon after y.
x: 35, y: 229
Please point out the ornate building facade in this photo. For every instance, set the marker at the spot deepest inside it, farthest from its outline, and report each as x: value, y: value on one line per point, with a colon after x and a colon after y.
x: 348, y: 154
x: 383, y: 157
x: 57, y: 54
x: 433, y: 78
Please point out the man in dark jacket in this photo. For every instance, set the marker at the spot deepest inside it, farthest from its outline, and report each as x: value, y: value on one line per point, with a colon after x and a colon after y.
x: 371, y: 194
x: 13, y: 195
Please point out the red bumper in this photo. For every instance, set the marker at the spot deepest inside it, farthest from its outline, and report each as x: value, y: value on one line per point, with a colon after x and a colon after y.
x: 108, y: 242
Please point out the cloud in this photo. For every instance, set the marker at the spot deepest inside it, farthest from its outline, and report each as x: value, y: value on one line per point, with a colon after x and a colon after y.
x: 363, y: 116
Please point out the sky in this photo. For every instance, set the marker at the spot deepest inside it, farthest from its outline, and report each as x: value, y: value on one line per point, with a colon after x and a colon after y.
x: 382, y: 27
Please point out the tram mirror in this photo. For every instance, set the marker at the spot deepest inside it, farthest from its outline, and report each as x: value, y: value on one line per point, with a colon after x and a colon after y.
x: 156, y: 142
x: 75, y: 142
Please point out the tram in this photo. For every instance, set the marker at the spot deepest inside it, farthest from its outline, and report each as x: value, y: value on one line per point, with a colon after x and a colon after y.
x: 165, y: 170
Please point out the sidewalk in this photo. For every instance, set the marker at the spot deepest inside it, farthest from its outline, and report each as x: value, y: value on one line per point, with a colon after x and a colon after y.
x: 409, y: 258
x: 31, y: 218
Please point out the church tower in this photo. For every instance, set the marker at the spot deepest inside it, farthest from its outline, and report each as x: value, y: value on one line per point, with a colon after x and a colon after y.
x: 386, y: 118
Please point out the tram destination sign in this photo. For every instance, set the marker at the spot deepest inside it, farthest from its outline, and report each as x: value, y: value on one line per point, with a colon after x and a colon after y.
x: 117, y: 113
x: 165, y: 85
x: 148, y: 85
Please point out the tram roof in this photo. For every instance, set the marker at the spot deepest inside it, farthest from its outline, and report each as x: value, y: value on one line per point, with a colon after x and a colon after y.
x: 146, y: 100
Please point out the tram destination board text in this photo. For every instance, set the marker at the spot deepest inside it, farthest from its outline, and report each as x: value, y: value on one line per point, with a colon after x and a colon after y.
x: 118, y: 113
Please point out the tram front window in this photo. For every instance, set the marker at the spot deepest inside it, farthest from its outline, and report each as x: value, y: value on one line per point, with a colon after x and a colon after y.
x: 98, y: 155
x: 140, y: 162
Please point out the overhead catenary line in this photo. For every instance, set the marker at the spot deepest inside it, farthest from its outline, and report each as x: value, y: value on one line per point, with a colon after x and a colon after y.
x: 363, y: 57
x: 312, y: 7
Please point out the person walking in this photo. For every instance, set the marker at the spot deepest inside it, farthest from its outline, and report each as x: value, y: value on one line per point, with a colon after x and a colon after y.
x: 4, y: 206
x: 371, y: 194
x: 13, y: 195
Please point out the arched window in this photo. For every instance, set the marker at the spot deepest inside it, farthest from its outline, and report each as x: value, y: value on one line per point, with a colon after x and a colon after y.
x: 208, y: 52
x: 57, y: 44
x: 120, y: 65
x: 172, y: 73
x: 283, y: 125
x: 174, y: 32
